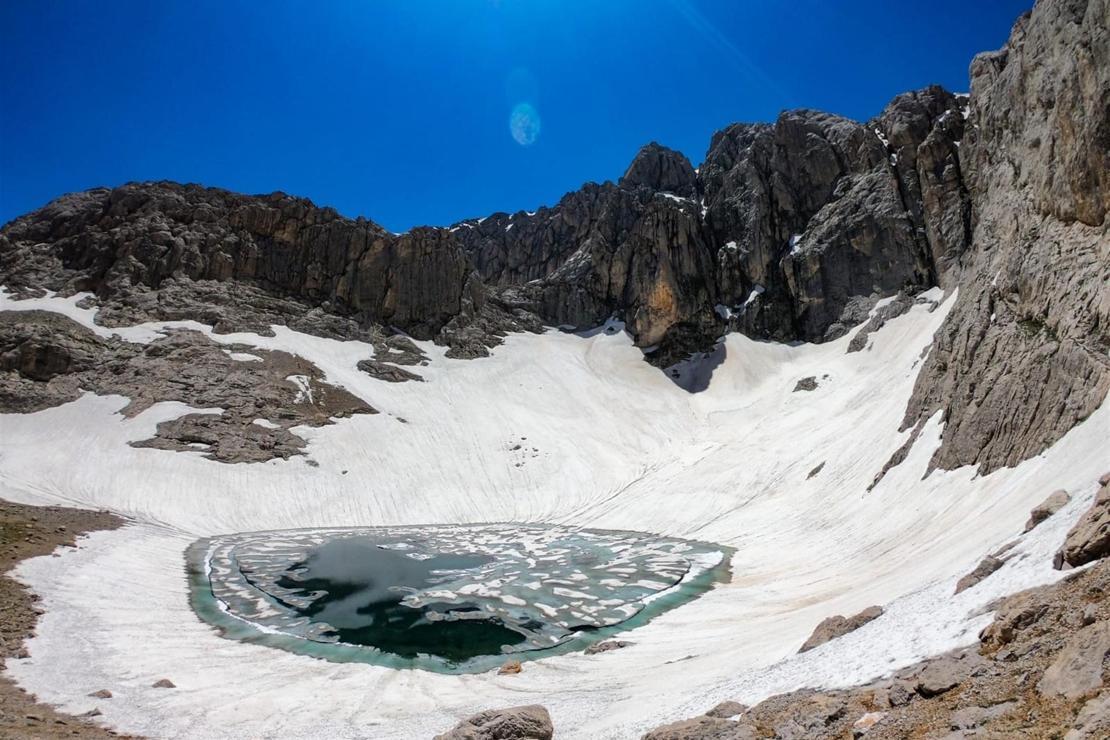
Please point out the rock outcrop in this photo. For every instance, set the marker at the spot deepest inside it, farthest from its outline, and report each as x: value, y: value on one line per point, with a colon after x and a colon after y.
x: 1023, y: 355
x: 251, y: 398
x: 163, y: 251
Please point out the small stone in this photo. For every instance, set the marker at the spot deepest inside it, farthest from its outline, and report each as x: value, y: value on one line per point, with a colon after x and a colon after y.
x: 866, y: 722
x: 606, y: 646
x: 806, y: 384
x: 163, y: 683
x: 1090, y: 615
x: 92, y: 713
x: 101, y: 694
x: 510, y: 667
x: 900, y: 694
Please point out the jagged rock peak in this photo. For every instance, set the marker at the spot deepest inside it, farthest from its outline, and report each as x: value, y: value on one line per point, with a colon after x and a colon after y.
x: 662, y: 170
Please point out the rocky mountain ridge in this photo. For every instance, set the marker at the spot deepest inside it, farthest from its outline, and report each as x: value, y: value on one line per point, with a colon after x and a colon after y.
x: 787, y: 231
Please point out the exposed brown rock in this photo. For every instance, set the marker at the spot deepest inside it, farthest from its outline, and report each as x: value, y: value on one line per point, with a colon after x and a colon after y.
x: 510, y: 667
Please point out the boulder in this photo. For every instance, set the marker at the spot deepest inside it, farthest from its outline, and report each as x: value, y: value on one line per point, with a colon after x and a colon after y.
x: 986, y: 566
x: 510, y: 667
x: 1056, y: 501
x: 1089, y: 539
x: 386, y: 371
x: 530, y: 722
x: 945, y: 673
x: 1077, y: 669
x: 837, y: 626
x: 164, y: 683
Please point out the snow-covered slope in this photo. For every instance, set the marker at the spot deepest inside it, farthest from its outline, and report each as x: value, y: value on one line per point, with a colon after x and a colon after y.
x: 605, y: 441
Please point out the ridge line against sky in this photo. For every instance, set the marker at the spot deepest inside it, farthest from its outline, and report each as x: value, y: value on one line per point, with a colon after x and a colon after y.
x: 426, y: 113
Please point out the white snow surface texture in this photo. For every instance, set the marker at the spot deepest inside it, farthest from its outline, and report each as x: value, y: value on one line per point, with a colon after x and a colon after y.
x: 619, y: 446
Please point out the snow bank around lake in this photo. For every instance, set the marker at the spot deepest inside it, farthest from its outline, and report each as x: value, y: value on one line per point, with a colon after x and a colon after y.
x: 558, y: 428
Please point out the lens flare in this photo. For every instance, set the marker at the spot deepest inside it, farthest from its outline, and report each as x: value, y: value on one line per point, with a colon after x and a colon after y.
x: 524, y: 124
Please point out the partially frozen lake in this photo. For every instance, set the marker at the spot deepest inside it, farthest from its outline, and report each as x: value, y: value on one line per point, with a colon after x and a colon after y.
x: 446, y: 598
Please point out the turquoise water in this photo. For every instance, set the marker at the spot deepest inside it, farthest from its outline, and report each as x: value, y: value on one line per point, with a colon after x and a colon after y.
x: 446, y: 598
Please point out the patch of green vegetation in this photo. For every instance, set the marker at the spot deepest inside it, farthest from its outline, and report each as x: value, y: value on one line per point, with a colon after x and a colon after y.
x: 1034, y: 326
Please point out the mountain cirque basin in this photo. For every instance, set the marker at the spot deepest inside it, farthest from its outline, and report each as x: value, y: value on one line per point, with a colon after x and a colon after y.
x: 445, y: 598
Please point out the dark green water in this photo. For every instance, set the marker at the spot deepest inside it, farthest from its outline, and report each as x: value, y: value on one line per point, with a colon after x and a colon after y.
x: 360, y: 586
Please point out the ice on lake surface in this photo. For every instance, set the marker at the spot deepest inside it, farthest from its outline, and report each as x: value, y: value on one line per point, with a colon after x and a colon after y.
x: 451, y: 598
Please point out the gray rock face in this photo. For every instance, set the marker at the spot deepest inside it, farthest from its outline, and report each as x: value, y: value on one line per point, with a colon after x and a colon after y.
x: 838, y: 626
x: 1056, y: 501
x: 1089, y: 539
x: 1022, y: 357
x: 531, y: 722
x: 168, y: 251
x: 661, y: 170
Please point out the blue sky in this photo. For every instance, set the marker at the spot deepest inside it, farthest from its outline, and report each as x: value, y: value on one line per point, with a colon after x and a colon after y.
x: 401, y: 111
